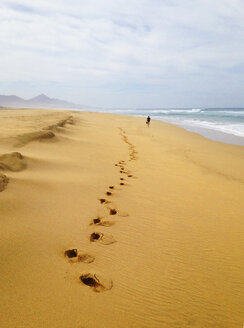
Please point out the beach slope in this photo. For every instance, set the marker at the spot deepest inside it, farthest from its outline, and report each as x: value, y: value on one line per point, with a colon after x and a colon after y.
x: 106, y: 222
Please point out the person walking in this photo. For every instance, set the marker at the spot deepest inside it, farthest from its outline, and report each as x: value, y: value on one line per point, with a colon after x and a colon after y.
x: 148, y: 121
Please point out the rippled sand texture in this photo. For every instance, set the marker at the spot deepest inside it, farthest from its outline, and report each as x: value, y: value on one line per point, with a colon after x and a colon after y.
x: 106, y: 222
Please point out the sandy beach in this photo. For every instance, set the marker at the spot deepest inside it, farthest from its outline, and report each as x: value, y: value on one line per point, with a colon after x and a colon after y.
x: 108, y: 223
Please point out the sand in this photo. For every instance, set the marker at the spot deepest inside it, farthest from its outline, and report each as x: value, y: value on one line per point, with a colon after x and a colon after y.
x: 108, y: 223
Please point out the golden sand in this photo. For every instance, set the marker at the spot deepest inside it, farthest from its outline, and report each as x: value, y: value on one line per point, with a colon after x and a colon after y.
x: 108, y: 223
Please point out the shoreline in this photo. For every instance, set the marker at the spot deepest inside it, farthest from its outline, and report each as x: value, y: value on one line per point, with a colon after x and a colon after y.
x: 215, y: 135
x: 208, y: 133
x: 102, y: 216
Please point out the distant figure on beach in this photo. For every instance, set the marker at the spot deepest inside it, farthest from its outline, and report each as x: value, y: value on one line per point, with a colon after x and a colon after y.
x: 148, y: 120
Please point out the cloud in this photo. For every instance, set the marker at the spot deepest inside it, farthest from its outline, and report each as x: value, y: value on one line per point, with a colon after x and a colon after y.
x: 128, y: 52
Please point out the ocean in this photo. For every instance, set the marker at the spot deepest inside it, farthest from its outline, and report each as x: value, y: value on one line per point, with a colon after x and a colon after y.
x: 221, y: 124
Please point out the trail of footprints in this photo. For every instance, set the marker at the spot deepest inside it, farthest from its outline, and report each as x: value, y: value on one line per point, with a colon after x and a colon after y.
x: 96, y: 282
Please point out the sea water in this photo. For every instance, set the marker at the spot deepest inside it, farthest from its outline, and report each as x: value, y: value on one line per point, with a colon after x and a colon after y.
x: 227, y: 122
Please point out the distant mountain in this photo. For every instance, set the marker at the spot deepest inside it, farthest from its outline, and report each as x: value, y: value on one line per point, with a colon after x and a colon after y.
x: 6, y: 101
x: 41, y: 101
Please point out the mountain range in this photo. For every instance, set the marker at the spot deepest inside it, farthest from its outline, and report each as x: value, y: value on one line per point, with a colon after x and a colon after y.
x: 41, y: 101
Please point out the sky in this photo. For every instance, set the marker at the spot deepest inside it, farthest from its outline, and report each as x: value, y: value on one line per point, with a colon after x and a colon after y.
x: 124, y: 53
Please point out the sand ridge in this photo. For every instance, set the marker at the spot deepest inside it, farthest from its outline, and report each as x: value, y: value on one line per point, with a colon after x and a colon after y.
x: 12, y: 162
x: 42, y: 135
x: 15, y: 161
x: 3, y: 181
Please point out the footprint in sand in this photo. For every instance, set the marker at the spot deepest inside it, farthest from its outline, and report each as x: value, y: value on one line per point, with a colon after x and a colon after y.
x: 112, y: 211
x: 95, y: 236
x: 104, y: 201
x: 96, y: 283
x: 98, y: 221
x: 101, y: 238
x: 123, y: 214
x: 108, y: 193
x: 75, y: 257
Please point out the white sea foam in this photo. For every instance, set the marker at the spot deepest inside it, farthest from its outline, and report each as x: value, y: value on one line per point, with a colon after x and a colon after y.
x: 152, y: 111
x: 174, y: 111
x: 234, y: 128
x: 225, y: 113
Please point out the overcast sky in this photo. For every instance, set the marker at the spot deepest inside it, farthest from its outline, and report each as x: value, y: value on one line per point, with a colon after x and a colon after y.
x: 124, y: 53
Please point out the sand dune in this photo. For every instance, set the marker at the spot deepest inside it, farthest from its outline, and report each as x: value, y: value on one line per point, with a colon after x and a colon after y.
x: 108, y: 223
x: 25, y: 138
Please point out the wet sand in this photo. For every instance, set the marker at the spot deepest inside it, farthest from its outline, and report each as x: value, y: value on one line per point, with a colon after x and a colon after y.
x: 217, y: 135
x: 108, y: 223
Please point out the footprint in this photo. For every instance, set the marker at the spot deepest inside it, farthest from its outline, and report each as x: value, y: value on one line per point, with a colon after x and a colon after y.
x: 85, y: 258
x: 97, y: 283
x: 74, y: 257
x: 95, y: 236
x: 98, y: 221
x: 111, y: 187
x: 130, y: 175
x: 104, y: 201
x: 112, y: 211
x: 71, y: 253
x: 123, y: 214
x: 103, y: 239
x: 121, y: 178
x: 108, y: 193
x: 122, y: 184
